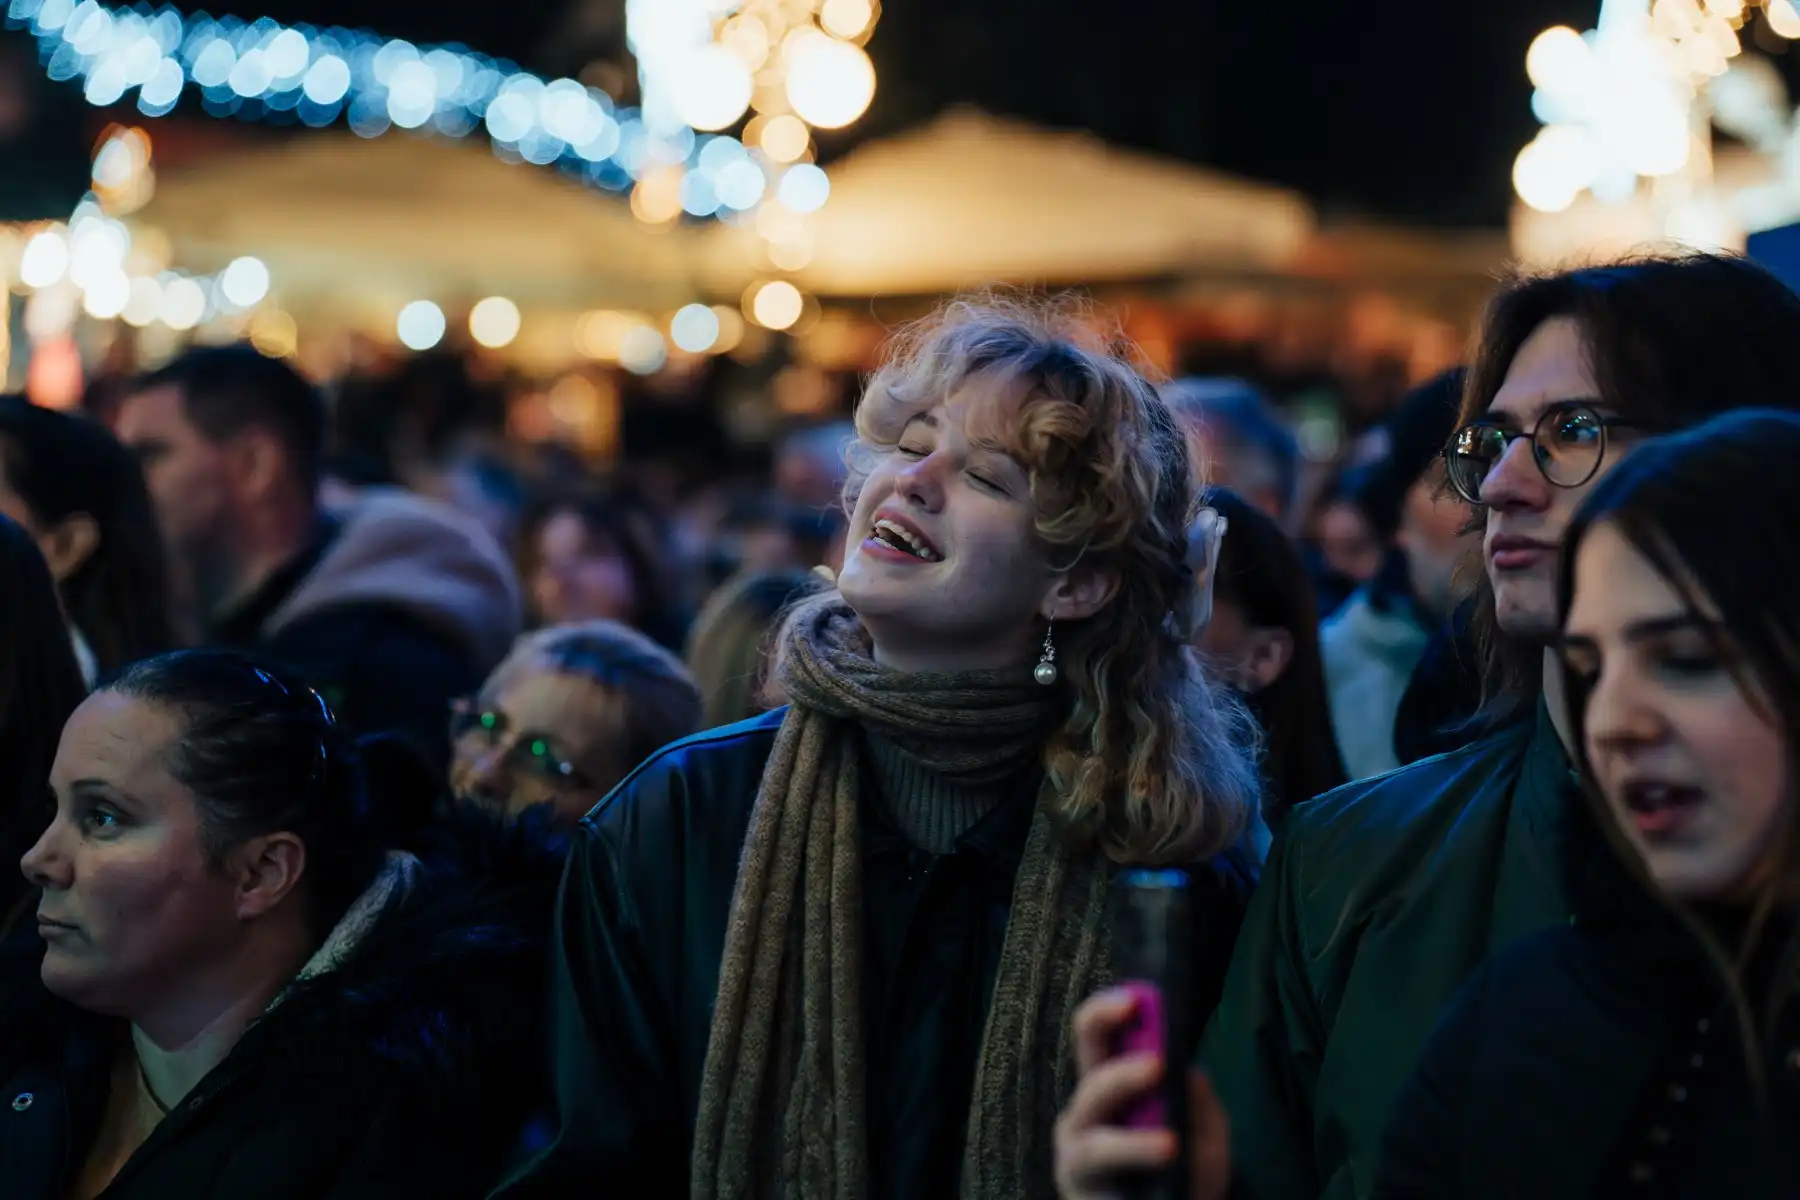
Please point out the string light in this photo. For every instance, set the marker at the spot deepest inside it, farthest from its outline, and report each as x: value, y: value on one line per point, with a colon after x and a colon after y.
x: 420, y: 325
x: 494, y: 322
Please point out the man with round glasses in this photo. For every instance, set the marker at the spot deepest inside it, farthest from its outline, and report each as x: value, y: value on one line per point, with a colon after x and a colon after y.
x: 1380, y: 898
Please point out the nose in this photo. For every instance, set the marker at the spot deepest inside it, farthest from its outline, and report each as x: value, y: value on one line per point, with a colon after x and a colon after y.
x: 1618, y: 717
x: 488, y: 778
x: 921, y: 481
x: 45, y: 865
x: 1514, y: 482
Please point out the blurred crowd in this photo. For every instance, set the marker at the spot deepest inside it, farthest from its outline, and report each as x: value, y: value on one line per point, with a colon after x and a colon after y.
x: 408, y: 809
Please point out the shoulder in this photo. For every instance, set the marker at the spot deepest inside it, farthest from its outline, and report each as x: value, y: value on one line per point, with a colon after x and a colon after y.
x: 714, y: 768
x: 1416, y: 801
x: 437, y: 1001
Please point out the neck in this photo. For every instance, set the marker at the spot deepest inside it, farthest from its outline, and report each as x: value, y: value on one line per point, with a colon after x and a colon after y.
x: 179, y: 1045
x: 1556, y: 699
x: 272, y: 539
x: 898, y: 654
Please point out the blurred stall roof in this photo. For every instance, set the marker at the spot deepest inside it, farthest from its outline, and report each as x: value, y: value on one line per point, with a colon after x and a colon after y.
x: 395, y: 218
x: 970, y: 199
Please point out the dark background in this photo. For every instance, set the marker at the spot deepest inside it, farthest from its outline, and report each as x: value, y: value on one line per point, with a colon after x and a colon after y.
x: 1405, y: 109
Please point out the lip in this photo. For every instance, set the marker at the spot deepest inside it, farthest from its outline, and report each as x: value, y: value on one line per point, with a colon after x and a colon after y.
x: 47, y: 927
x: 1517, y: 553
x: 1668, y: 820
x: 871, y: 545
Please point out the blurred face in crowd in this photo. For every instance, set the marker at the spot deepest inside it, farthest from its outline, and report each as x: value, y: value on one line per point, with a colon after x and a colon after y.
x: 133, y: 909
x: 65, y: 545
x: 1246, y: 655
x: 944, y: 564
x: 190, y: 477
x: 581, y: 575
x: 1432, y: 521
x: 1348, y: 542
x: 1526, y: 513
x: 535, y: 735
x: 1218, y: 462
x: 1693, y: 770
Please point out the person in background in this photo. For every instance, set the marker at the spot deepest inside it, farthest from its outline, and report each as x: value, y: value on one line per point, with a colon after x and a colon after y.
x: 1240, y: 441
x: 1376, y: 638
x: 603, y: 555
x: 483, y: 486
x: 568, y: 714
x: 729, y: 647
x: 830, y: 952
x: 1342, y: 547
x: 1666, y: 1014
x: 76, y: 490
x: 40, y: 685
x: 812, y: 464
x: 390, y: 607
x: 240, y: 990
x: 1263, y: 641
x: 1380, y: 899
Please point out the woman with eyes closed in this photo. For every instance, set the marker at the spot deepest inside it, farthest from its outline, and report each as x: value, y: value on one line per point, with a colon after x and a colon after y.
x: 239, y: 992
x: 1652, y: 1048
x: 832, y: 951
x: 570, y: 711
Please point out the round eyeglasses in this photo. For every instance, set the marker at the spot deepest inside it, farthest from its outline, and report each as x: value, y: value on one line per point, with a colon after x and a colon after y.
x: 526, y: 752
x: 1568, y: 444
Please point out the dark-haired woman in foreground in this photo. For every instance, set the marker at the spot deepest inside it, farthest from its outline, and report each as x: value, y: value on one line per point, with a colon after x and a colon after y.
x: 242, y: 993
x: 40, y: 685
x: 1649, y: 1048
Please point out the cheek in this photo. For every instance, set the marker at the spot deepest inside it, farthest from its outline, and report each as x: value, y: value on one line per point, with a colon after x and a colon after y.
x: 1750, y: 760
x: 142, y: 913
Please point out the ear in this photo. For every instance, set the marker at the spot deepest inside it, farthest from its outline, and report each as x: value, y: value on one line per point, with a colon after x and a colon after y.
x: 267, y: 869
x: 1269, y: 653
x: 1079, y: 592
x: 260, y: 461
x: 69, y: 543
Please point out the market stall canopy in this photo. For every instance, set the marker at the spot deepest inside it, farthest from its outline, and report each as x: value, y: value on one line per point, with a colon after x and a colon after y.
x: 343, y: 220
x: 972, y: 199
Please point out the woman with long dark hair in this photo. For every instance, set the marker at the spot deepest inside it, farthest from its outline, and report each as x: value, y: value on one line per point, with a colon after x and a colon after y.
x: 81, y: 495
x: 602, y: 554
x: 40, y: 685
x: 1263, y: 640
x: 1648, y: 1047
x: 240, y: 990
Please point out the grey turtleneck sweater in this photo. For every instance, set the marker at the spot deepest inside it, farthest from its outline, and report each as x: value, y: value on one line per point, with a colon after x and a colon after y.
x: 930, y: 811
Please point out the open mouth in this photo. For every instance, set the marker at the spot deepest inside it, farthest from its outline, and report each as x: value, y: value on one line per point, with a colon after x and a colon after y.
x: 895, y: 537
x: 1659, y: 807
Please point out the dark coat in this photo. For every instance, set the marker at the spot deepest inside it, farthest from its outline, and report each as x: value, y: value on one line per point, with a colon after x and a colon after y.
x: 641, y: 931
x: 1596, y: 1060
x: 409, y: 1070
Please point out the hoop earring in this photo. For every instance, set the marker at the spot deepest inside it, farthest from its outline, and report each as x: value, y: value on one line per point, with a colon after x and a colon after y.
x: 1046, y: 672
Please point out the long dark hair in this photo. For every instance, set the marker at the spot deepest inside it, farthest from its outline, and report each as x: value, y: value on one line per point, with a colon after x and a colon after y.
x: 1261, y: 572
x: 40, y: 685
x: 63, y: 465
x: 619, y: 516
x: 1672, y: 341
x: 262, y: 753
x: 1716, y: 510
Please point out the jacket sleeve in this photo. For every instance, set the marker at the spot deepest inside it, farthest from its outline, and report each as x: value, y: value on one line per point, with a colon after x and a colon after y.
x: 618, y: 1124
x: 1263, y: 1046
x: 1420, y: 1153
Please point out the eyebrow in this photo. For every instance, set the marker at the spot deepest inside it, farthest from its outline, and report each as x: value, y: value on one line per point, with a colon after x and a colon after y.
x: 1492, y: 417
x: 100, y: 789
x: 1650, y: 627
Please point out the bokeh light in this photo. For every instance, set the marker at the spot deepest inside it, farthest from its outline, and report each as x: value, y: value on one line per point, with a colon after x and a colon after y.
x: 420, y: 325
x: 643, y: 350
x: 731, y: 329
x: 777, y: 304
x: 601, y: 334
x: 804, y: 188
x: 712, y: 87
x: 847, y: 19
x: 45, y: 259
x: 107, y: 296
x: 494, y: 322
x: 274, y: 333
x: 145, y: 302
x: 829, y: 83
x: 784, y: 138
x: 183, y: 303
x: 245, y: 282
x: 694, y: 328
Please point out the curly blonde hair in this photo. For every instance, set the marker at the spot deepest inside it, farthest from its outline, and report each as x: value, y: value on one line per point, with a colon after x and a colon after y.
x: 1152, y: 764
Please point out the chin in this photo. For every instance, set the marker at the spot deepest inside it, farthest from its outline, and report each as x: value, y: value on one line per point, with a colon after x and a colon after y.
x: 1526, y: 609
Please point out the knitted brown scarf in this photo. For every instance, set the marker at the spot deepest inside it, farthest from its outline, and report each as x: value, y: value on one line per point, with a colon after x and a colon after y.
x: 781, y: 1112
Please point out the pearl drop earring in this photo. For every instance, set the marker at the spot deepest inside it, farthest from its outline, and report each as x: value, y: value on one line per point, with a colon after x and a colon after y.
x: 1046, y: 671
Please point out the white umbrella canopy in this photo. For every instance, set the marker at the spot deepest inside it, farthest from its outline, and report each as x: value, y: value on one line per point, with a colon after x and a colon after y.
x: 349, y: 223
x: 971, y: 199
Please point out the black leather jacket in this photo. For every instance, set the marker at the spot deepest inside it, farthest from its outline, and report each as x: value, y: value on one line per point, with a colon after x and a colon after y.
x: 641, y: 929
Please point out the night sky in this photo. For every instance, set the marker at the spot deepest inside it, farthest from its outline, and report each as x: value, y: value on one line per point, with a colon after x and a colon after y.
x: 1405, y: 109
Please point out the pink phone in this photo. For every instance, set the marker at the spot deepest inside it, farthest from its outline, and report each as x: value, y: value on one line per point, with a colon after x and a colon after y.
x: 1146, y: 1032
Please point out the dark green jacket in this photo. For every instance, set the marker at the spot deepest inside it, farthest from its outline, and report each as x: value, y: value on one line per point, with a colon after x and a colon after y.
x: 1379, y: 900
